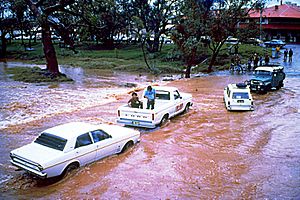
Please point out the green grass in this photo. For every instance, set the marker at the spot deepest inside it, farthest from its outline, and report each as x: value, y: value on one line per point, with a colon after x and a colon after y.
x: 128, y: 58
x: 35, y: 75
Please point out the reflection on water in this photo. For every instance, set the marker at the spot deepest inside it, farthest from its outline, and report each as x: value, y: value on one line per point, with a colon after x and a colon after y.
x: 208, y: 153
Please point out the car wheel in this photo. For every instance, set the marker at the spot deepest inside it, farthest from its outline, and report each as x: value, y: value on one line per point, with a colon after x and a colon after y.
x: 281, y: 84
x: 164, y: 120
x: 127, y: 146
x: 187, y: 108
x: 71, y: 167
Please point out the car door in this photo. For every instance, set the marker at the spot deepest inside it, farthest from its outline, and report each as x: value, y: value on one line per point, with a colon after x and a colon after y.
x: 177, y: 102
x: 85, y: 150
x: 105, y: 144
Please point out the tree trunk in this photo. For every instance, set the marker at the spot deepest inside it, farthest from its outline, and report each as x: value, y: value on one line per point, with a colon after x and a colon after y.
x: 145, y: 56
x: 108, y: 43
x: 188, y: 71
x: 215, y: 53
x: 212, y: 62
x: 155, y: 47
x: 49, y: 50
x: 3, y: 46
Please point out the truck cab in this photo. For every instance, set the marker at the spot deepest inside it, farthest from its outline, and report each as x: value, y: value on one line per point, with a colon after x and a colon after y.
x: 266, y: 78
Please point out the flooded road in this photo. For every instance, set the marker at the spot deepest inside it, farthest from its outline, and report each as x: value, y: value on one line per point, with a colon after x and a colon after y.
x: 208, y: 153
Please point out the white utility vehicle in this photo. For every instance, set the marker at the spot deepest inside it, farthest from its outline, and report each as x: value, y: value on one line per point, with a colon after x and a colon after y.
x: 169, y: 102
x: 238, y: 97
x: 58, y: 150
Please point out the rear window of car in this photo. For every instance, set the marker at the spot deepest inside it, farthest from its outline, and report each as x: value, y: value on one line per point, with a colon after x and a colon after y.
x: 162, y: 95
x: 51, y: 141
x: 240, y: 95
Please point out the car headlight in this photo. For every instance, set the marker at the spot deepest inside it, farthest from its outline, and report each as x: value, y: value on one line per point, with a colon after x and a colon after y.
x: 261, y: 83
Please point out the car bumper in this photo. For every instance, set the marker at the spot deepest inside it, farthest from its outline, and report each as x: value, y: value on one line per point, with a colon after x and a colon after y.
x: 30, y: 170
x: 240, y: 108
x: 258, y: 88
x: 136, y: 123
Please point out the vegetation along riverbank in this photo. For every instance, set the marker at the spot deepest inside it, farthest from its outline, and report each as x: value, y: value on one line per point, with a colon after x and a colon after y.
x: 127, y: 58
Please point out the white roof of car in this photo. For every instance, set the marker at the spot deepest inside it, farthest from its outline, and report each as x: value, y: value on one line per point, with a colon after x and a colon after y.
x: 269, y: 68
x: 72, y: 129
x: 276, y: 40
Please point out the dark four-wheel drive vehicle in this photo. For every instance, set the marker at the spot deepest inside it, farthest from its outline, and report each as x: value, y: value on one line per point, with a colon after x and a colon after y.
x: 266, y: 78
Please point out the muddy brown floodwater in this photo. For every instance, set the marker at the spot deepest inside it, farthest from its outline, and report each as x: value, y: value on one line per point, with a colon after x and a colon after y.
x: 207, y: 153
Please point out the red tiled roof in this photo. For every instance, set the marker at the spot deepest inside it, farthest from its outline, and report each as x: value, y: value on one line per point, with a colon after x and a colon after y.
x: 283, y: 11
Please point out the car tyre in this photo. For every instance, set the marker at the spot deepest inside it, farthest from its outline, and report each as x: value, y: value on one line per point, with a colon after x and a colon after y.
x: 281, y: 84
x: 164, y: 120
x: 127, y: 146
x: 71, y: 167
x: 187, y: 108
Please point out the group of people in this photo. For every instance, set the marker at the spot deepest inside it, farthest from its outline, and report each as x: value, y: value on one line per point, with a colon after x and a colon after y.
x: 257, y: 60
x: 287, y: 53
x: 150, y: 94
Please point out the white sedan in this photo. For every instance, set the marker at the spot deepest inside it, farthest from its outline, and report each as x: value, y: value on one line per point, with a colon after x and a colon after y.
x: 238, y: 97
x: 60, y: 149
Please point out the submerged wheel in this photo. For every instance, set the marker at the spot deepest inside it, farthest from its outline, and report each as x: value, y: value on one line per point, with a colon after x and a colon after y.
x: 71, y: 167
x: 281, y: 84
x: 164, y: 120
x: 187, y: 108
x: 127, y: 146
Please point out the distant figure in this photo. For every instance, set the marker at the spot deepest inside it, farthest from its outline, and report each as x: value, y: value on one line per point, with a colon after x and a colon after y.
x: 236, y: 49
x: 267, y: 59
x: 291, y: 55
x: 134, y: 102
x: 249, y: 63
x: 260, y: 60
x: 232, y: 64
x: 277, y: 52
x: 150, y: 96
x: 285, y: 53
x: 256, y: 59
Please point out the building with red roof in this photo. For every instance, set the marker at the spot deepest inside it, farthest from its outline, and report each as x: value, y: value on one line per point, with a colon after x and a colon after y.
x: 280, y: 22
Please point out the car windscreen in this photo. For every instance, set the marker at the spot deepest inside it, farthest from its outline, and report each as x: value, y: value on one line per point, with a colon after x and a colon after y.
x: 51, y: 141
x: 240, y: 95
x: 262, y: 73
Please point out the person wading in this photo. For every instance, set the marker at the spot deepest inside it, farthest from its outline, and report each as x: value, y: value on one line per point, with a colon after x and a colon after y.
x: 291, y: 55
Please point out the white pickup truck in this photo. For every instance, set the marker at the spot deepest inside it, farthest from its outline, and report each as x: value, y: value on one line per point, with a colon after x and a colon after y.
x: 168, y: 103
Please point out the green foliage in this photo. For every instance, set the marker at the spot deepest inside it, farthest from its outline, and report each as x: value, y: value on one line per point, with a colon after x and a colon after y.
x: 35, y: 75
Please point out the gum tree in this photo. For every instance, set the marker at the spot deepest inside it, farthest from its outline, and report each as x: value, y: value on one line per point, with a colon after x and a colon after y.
x: 42, y: 10
x: 215, y: 20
